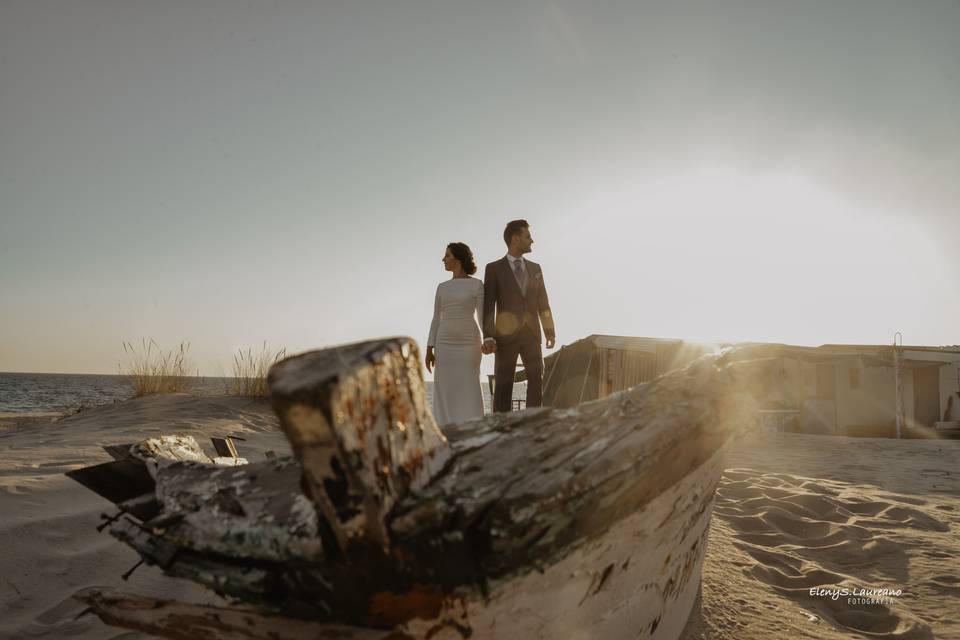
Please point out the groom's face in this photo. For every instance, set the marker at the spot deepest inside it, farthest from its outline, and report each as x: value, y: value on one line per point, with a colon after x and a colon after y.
x: 524, y: 240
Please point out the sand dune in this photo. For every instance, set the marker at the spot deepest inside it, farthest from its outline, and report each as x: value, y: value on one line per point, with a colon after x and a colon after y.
x: 793, y: 512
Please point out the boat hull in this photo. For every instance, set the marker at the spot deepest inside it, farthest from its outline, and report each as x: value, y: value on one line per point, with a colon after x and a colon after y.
x: 640, y: 580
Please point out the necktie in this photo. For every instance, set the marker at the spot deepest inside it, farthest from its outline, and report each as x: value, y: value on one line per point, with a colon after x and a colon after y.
x: 521, y: 276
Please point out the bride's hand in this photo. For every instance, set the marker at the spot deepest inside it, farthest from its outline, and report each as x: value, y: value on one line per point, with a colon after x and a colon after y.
x: 430, y: 360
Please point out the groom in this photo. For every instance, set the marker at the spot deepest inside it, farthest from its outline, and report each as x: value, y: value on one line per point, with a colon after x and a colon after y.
x: 514, y: 306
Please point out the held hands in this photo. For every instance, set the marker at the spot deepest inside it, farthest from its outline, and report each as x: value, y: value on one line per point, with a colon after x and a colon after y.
x: 489, y: 346
x: 430, y: 360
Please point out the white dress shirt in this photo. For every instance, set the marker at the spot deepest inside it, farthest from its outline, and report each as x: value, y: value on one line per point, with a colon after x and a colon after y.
x: 523, y: 263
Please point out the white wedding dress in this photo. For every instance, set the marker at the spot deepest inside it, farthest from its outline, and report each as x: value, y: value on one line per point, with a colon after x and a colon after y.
x: 455, y: 337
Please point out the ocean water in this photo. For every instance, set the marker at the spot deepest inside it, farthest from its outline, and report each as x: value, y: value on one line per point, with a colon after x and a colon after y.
x: 64, y: 392
x: 33, y: 392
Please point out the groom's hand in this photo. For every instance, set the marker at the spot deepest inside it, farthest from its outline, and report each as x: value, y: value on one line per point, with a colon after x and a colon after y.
x: 489, y: 346
x: 551, y: 342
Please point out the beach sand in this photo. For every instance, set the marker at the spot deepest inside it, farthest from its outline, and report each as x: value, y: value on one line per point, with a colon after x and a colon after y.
x: 798, y: 511
x: 792, y: 512
x: 49, y: 545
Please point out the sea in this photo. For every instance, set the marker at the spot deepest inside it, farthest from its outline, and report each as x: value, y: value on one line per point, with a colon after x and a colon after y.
x: 70, y: 392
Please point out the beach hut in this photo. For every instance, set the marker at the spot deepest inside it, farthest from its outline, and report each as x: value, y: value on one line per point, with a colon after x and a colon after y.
x: 860, y: 390
x: 599, y: 365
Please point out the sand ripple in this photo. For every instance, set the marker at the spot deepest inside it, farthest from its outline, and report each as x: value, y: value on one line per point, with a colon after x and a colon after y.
x: 808, y: 533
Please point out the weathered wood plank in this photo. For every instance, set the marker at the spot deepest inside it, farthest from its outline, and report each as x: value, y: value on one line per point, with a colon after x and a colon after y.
x: 182, y: 621
x: 118, y: 451
x: 117, y: 481
x: 253, y: 511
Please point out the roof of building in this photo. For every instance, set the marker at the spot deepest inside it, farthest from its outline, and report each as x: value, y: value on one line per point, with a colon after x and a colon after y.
x: 825, y: 351
x: 869, y: 354
x: 630, y: 343
x: 858, y: 347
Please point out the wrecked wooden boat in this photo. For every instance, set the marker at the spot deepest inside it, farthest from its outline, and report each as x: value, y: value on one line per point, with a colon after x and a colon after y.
x: 584, y: 522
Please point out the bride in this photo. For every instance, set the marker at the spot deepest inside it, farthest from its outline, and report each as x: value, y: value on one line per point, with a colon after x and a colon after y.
x: 454, y: 345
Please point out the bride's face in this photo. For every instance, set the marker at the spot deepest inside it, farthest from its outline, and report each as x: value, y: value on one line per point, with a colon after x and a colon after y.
x: 449, y: 262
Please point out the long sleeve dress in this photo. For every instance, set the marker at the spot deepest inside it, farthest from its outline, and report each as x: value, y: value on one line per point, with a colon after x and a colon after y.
x: 455, y: 337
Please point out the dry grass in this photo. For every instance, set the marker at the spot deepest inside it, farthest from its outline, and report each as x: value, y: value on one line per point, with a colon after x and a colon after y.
x: 151, y: 370
x: 250, y: 371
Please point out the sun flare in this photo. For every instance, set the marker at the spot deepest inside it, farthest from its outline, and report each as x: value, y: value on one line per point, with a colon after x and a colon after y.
x: 720, y: 255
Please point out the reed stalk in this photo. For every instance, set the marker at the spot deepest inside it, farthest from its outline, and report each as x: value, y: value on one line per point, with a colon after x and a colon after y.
x: 250, y: 370
x: 152, y: 370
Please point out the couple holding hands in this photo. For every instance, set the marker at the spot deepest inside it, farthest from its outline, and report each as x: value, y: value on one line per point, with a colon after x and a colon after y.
x: 511, y: 303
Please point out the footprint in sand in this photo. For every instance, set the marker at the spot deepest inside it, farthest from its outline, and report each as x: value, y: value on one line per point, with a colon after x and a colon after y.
x: 904, y: 517
x: 875, y: 621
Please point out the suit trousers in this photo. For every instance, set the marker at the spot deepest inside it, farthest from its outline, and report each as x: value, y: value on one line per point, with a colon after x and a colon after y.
x: 525, y: 344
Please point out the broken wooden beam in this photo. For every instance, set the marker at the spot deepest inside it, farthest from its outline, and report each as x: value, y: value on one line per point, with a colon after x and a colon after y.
x: 358, y: 420
x: 170, y: 447
x: 225, y: 447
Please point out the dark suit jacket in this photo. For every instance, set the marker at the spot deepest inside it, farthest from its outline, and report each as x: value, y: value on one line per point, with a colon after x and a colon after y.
x: 506, y: 310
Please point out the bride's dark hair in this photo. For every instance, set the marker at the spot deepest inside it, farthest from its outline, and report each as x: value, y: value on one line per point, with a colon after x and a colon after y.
x: 462, y: 253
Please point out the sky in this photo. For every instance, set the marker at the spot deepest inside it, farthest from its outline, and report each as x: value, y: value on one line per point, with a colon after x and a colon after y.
x: 230, y: 173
